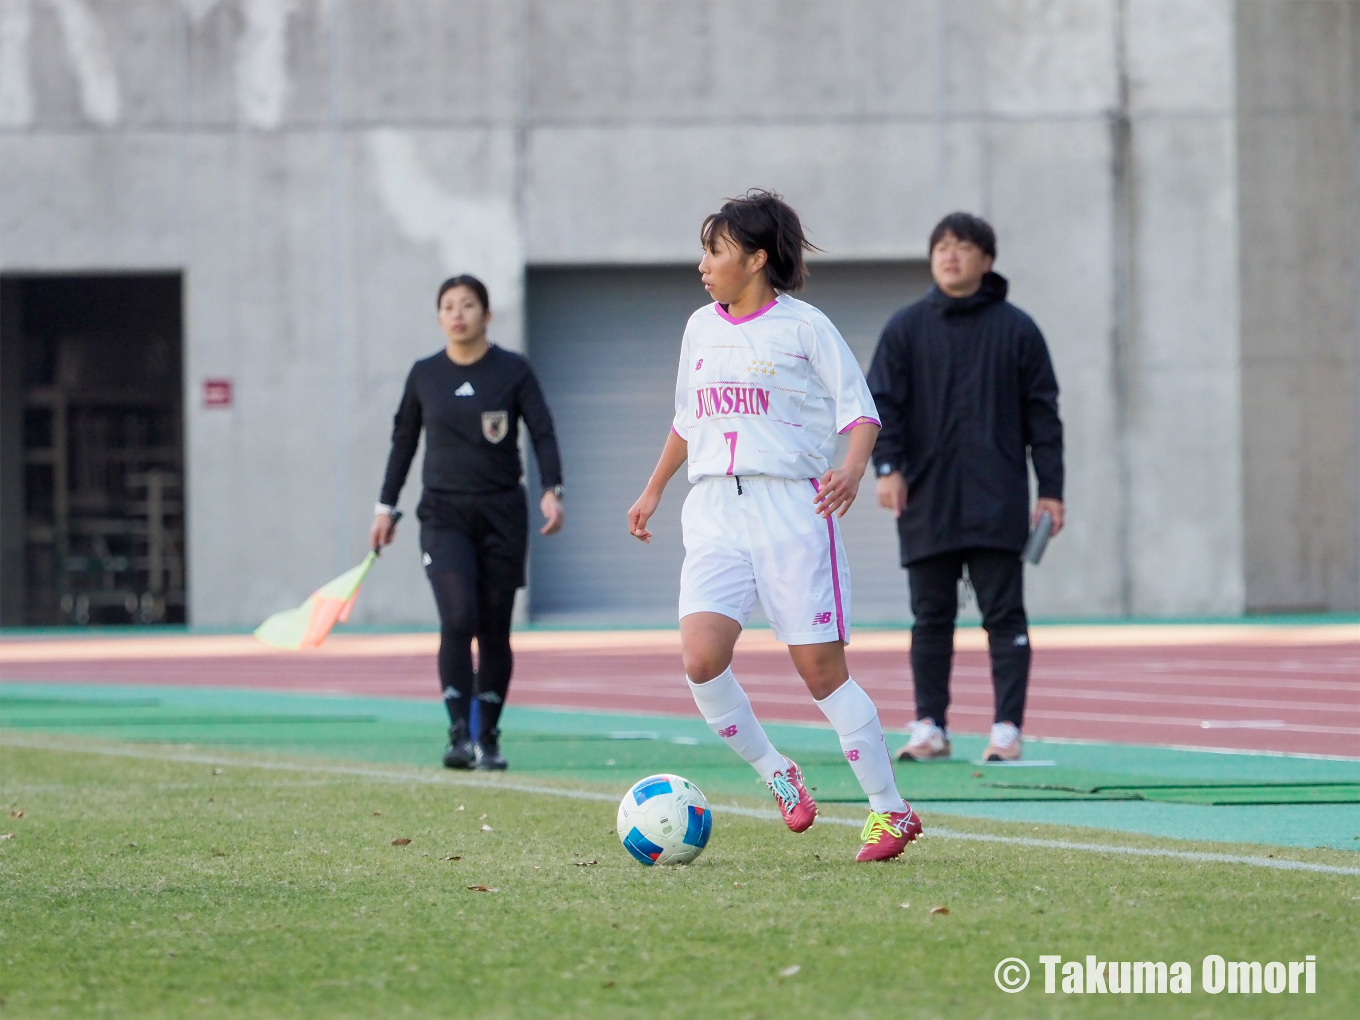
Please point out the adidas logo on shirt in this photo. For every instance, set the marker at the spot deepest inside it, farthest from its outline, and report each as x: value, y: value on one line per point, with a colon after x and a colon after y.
x: 465, y: 390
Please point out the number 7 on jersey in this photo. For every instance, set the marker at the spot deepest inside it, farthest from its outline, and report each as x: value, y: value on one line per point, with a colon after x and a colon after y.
x: 731, y: 438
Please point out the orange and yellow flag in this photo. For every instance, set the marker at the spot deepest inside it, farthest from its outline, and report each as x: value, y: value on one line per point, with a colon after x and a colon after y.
x: 308, y: 625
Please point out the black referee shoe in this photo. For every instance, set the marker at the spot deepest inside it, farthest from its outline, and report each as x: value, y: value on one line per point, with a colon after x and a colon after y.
x: 460, y: 753
x: 489, y: 755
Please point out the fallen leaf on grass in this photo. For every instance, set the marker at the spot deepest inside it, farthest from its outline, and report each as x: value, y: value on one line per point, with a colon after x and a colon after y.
x: 6, y: 835
x: 482, y: 815
x: 482, y: 888
x: 939, y: 910
x: 18, y: 813
x: 977, y: 775
x: 487, y: 828
x: 905, y: 906
x: 609, y: 984
x: 217, y: 772
x: 736, y: 885
x: 400, y: 841
x: 133, y: 845
x: 376, y: 813
x: 452, y: 857
x: 790, y: 971
x: 585, y: 864
x: 462, y: 807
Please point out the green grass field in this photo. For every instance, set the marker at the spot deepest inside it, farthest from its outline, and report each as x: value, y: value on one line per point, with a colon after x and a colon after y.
x: 158, y: 882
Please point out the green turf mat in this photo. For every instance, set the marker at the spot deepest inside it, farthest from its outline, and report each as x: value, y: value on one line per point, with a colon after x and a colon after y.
x: 1117, y: 786
x: 588, y: 747
x: 1123, y: 787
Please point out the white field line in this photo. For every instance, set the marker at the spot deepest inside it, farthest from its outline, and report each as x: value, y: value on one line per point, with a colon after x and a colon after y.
x: 754, y: 686
x: 765, y: 814
x: 760, y: 698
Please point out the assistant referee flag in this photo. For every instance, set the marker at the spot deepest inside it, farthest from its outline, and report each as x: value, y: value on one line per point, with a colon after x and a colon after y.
x: 308, y: 625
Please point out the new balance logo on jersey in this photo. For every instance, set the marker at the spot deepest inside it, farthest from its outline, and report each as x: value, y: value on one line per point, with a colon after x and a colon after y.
x: 465, y: 390
x: 699, y: 364
x: 821, y: 619
x: 716, y: 400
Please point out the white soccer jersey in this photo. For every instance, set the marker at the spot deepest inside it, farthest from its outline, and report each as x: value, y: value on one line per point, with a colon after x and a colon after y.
x: 766, y: 394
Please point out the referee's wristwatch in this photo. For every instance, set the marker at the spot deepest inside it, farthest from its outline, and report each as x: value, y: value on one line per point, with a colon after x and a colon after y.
x: 556, y: 490
x: 885, y: 469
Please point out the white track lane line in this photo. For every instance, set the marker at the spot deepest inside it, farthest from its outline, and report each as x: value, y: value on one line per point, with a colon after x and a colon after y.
x: 765, y: 814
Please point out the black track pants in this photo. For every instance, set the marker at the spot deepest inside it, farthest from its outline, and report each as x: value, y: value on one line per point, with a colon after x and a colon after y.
x: 470, y: 605
x: 998, y: 578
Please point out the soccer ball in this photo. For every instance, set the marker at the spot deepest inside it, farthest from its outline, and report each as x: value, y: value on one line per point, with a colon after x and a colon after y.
x: 664, y: 819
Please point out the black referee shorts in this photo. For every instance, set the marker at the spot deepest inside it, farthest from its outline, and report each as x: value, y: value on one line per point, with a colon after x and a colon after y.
x: 497, y: 525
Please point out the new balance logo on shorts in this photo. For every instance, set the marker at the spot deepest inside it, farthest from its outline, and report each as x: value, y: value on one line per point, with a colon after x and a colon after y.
x: 821, y: 619
x: 728, y: 731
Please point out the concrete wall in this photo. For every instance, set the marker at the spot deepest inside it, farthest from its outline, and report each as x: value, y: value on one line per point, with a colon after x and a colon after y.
x: 316, y: 166
x: 1178, y: 336
x: 1297, y: 87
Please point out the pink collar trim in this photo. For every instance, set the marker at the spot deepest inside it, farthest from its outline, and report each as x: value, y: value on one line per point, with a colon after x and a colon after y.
x: 745, y: 318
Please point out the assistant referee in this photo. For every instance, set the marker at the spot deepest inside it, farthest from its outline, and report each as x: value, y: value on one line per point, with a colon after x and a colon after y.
x: 474, y: 515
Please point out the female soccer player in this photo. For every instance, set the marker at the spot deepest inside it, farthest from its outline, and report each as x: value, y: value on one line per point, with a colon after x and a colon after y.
x: 474, y: 518
x: 766, y: 384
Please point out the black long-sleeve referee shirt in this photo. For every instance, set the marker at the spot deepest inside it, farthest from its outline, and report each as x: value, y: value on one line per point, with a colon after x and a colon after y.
x: 965, y: 388
x: 471, y: 415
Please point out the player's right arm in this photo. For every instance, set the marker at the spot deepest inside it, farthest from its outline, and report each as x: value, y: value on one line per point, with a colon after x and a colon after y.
x: 673, y: 454
x: 406, y: 427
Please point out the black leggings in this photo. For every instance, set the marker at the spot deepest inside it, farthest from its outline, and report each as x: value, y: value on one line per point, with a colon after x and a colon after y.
x: 470, y: 605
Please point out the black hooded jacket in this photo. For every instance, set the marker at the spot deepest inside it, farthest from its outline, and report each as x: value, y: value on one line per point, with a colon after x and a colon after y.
x: 964, y: 387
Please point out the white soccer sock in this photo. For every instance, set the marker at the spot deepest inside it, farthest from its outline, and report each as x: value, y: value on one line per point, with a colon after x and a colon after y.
x: 851, y: 712
x: 727, y: 710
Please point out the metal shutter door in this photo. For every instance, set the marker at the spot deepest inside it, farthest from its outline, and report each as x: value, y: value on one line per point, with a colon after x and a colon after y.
x: 605, y: 344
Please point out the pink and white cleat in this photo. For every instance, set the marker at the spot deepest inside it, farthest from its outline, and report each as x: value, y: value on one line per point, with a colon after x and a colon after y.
x: 795, y: 803
x: 887, y: 835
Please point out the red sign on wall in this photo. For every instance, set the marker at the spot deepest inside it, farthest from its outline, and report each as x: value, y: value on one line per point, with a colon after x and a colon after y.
x: 216, y: 392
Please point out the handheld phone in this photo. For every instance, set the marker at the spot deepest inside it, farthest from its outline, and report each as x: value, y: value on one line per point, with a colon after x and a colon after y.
x: 1038, y: 538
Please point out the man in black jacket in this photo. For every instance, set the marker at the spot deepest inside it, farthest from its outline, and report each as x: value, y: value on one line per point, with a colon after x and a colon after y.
x: 965, y: 388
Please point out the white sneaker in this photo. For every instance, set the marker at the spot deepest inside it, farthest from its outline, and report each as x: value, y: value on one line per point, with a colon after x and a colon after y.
x: 927, y: 742
x: 1005, y: 743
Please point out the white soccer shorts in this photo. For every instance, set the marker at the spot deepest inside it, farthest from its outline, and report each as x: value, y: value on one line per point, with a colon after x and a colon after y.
x: 768, y: 542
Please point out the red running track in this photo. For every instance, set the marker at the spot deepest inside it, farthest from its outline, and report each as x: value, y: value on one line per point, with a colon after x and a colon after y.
x: 1292, y: 698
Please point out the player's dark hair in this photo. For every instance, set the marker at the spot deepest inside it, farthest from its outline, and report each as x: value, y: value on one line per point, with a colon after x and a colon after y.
x: 473, y: 284
x: 966, y: 227
x: 762, y: 221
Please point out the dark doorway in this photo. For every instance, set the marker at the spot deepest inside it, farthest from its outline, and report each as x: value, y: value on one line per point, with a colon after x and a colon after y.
x: 92, y: 457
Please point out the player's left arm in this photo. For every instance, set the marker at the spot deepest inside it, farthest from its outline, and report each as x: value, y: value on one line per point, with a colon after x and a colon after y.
x: 1043, y: 429
x: 839, y: 486
x: 834, y: 363
x: 538, y: 418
